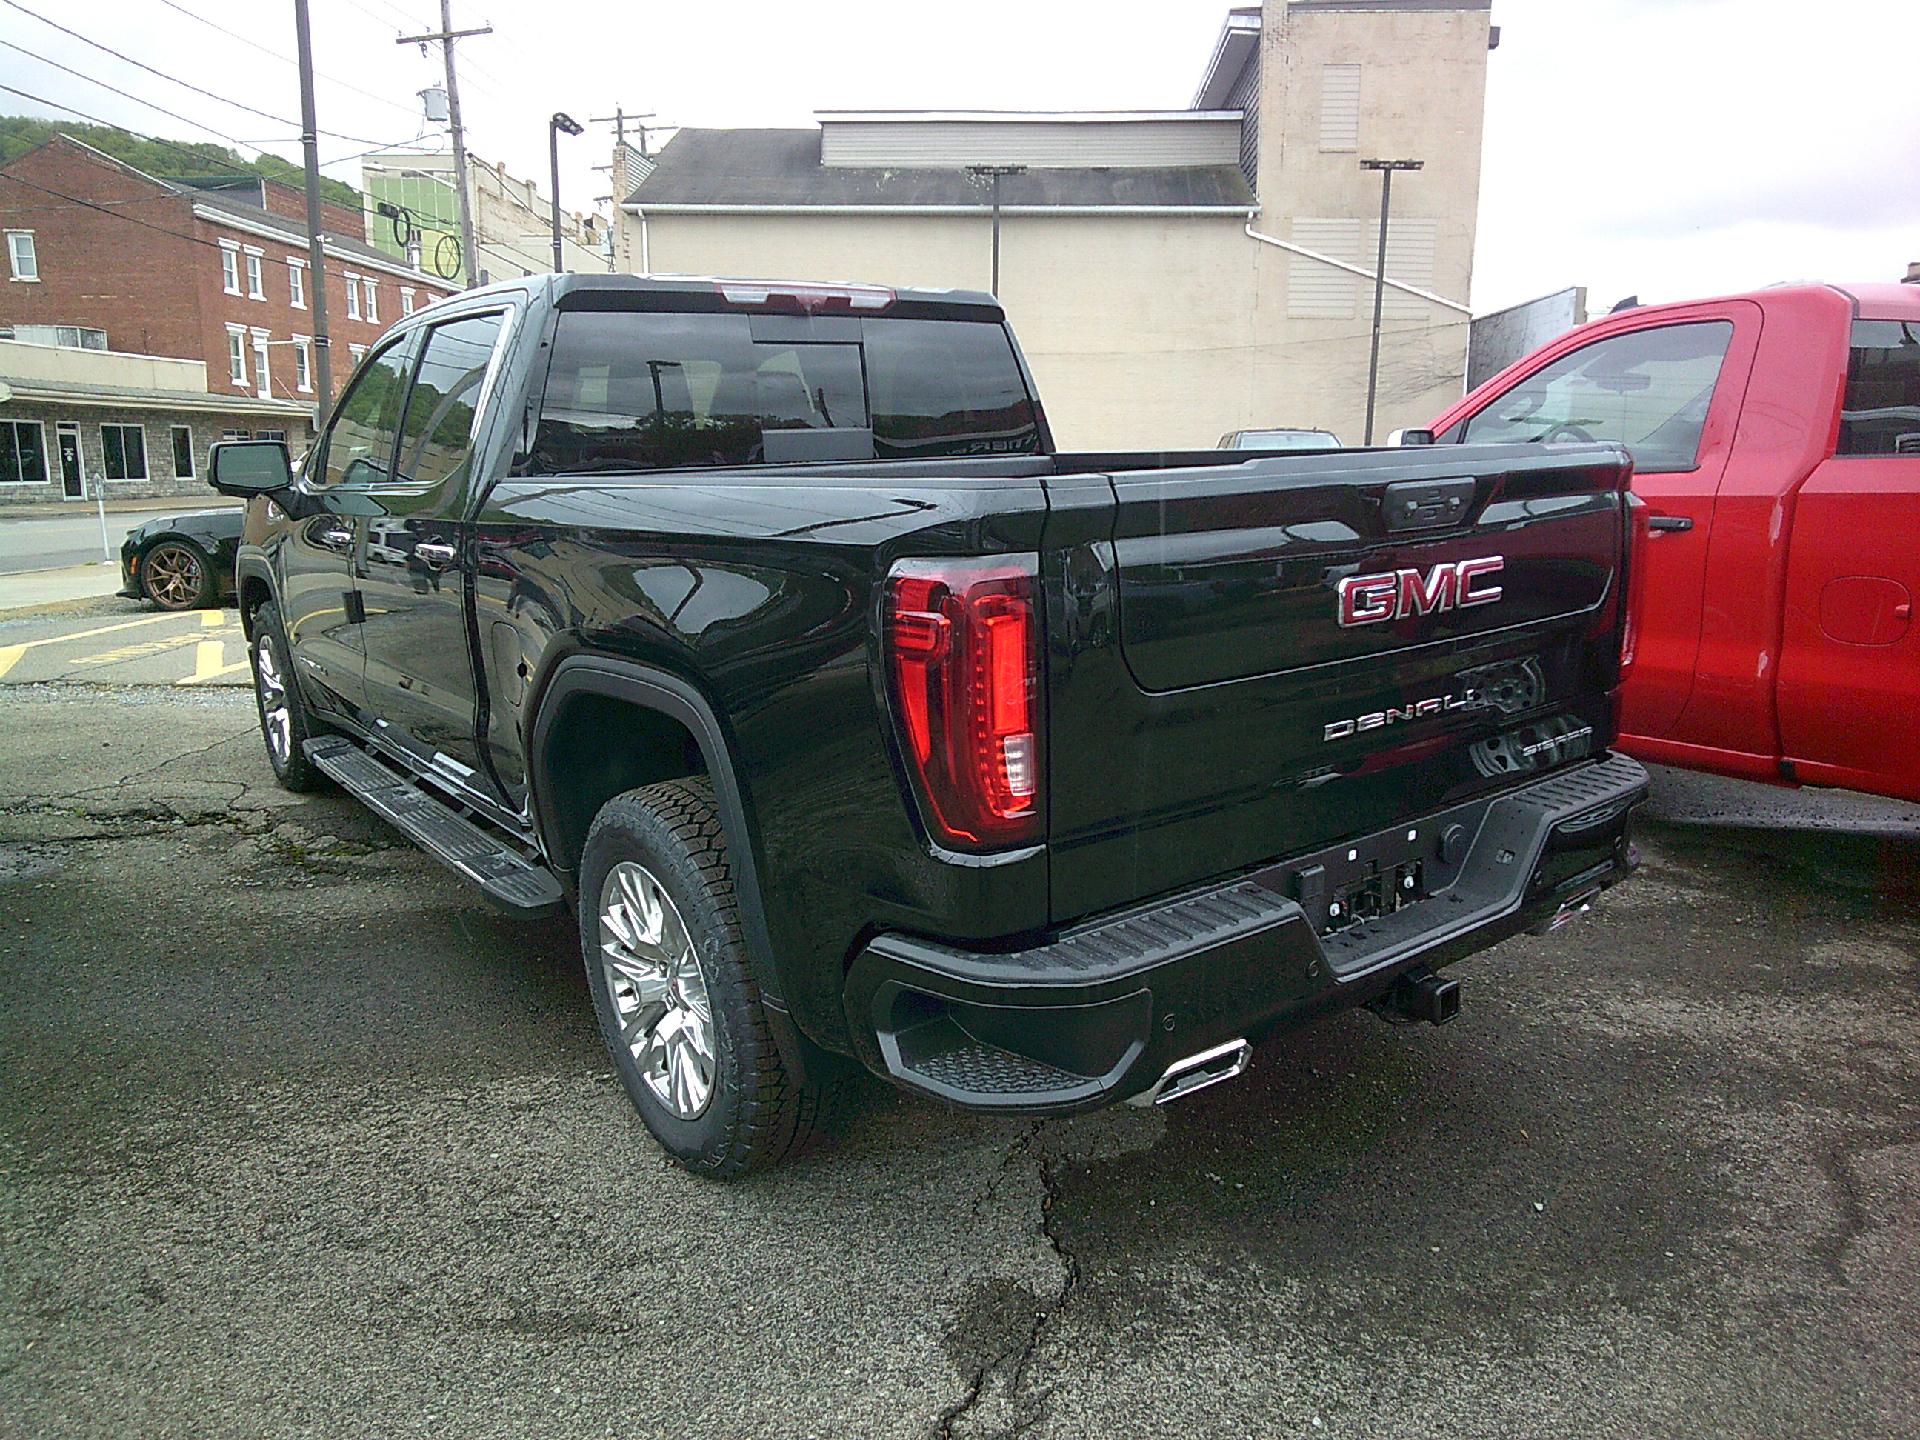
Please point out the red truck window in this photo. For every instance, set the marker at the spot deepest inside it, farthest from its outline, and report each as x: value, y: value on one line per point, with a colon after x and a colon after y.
x: 1881, y: 412
x: 1646, y: 389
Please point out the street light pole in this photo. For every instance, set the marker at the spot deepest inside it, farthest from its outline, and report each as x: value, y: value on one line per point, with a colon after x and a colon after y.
x: 1386, y: 169
x: 992, y: 174
x: 560, y: 121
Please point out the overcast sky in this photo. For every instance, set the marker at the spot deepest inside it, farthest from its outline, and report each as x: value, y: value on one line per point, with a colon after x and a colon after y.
x: 1661, y: 147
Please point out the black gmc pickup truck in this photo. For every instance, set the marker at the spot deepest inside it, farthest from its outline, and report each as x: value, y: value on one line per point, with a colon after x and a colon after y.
x: 761, y: 624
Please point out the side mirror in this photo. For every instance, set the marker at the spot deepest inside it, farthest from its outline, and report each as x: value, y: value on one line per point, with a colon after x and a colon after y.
x: 1410, y: 437
x: 249, y: 467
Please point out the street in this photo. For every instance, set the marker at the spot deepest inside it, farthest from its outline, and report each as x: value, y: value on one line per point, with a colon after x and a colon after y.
x: 299, y: 1137
x: 46, y: 542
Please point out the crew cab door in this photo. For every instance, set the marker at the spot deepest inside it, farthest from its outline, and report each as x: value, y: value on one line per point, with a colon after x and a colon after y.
x: 412, y: 558
x: 317, y: 593
x: 1670, y: 391
x: 1849, y: 694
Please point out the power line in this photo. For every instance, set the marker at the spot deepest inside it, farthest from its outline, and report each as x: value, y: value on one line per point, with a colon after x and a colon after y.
x: 175, y: 79
x: 284, y: 59
x: 196, y: 156
x: 124, y: 94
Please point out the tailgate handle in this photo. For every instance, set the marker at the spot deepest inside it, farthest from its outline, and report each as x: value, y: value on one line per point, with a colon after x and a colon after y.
x: 1422, y: 504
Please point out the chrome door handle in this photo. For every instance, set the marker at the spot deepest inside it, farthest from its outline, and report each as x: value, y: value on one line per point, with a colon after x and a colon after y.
x: 435, y: 553
x: 334, y: 539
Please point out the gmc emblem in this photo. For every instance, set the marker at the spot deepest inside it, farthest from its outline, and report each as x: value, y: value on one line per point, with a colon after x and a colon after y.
x: 1401, y: 594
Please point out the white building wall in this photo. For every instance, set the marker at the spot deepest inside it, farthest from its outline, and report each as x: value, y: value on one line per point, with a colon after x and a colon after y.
x: 1038, y: 143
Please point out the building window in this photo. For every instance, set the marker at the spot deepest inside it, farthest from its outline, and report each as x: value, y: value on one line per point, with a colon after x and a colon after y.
x: 279, y: 435
x: 125, y: 449
x: 256, y: 290
x: 237, y: 354
x: 67, y: 337
x: 182, y: 452
x: 1339, y: 107
x: 406, y: 299
x: 23, y: 452
x: 21, y: 256
x: 373, y: 300
x: 262, y: 379
x: 359, y: 353
x: 230, y: 267
x: 228, y: 436
x: 303, y: 364
x: 353, y: 296
x: 296, y: 285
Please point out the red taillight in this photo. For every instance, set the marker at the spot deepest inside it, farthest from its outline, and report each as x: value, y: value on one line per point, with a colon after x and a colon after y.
x: 963, y: 660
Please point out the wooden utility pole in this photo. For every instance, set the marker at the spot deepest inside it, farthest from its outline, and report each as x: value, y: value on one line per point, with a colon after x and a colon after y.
x: 446, y: 35
x: 316, y: 257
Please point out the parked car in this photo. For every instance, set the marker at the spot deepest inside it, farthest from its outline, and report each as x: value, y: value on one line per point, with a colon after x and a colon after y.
x: 1279, y: 440
x: 1776, y: 441
x: 182, y: 562
x: 768, y: 633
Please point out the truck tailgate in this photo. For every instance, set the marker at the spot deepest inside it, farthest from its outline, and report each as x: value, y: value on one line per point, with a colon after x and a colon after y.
x: 1251, y: 660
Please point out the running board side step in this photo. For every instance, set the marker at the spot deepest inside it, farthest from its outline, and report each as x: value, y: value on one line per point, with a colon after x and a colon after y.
x: 1196, y: 1072
x: 515, y: 883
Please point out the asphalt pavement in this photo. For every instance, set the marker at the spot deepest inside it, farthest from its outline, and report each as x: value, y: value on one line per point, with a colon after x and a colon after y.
x: 113, y: 641
x: 297, y: 1137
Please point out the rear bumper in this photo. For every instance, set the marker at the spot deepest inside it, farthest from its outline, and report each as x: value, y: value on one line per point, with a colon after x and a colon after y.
x: 1097, y: 1012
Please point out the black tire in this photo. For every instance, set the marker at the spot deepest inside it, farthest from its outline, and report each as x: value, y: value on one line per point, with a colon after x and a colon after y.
x: 290, y: 764
x: 186, y: 579
x: 756, y: 1113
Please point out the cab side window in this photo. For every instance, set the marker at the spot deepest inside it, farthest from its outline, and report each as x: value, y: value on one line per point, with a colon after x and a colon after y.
x: 1881, y: 412
x: 1648, y: 390
x: 436, y: 438
x: 359, y: 445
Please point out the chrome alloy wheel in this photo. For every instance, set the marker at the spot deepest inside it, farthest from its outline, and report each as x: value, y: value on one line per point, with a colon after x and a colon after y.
x: 173, y: 576
x: 275, y: 716
x: 658, y: 989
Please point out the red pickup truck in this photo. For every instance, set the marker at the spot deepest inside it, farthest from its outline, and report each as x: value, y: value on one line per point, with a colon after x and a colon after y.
x: 1776, y: 443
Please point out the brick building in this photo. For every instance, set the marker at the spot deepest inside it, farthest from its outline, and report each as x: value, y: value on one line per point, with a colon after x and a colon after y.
x: 102, y: 256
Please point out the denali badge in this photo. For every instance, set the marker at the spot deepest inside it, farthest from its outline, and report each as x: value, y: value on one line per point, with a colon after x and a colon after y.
x: 1369, y: 599
x: 1398, y: 714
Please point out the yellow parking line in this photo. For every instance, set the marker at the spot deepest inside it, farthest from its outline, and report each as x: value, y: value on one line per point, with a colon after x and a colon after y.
x: 209, y: 659
x: 9, y: 655
x: 88, y: 634
x: 213, y: 619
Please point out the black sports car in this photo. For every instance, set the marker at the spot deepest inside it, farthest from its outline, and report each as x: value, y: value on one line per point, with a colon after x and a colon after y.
x: 182, y: 561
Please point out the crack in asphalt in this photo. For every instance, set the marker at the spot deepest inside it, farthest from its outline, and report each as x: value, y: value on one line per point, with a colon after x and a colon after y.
x: 1837, y: 1164
x: 1015, y: 1360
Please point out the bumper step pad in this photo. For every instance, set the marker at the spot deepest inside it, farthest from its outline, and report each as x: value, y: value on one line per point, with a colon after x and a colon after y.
x: 512, y: 881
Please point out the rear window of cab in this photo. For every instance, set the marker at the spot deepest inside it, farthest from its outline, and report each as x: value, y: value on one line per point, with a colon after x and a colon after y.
x: 639, y: 390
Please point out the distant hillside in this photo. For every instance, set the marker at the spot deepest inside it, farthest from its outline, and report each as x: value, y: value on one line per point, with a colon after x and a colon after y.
x: 20, y: 133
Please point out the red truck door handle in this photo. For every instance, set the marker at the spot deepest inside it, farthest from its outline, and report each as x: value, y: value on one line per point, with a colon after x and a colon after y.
x: 1669, y: 522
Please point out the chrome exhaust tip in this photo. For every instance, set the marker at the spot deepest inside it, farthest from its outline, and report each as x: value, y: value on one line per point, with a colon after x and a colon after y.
x: 1196, y: 1072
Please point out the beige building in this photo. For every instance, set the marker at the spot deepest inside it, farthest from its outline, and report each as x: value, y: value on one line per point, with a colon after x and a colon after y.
x: 1172, y: 275
x: 512, y: 218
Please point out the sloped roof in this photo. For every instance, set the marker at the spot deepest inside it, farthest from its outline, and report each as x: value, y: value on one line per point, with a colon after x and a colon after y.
x: 779, y: 169
x: 293, y: 230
